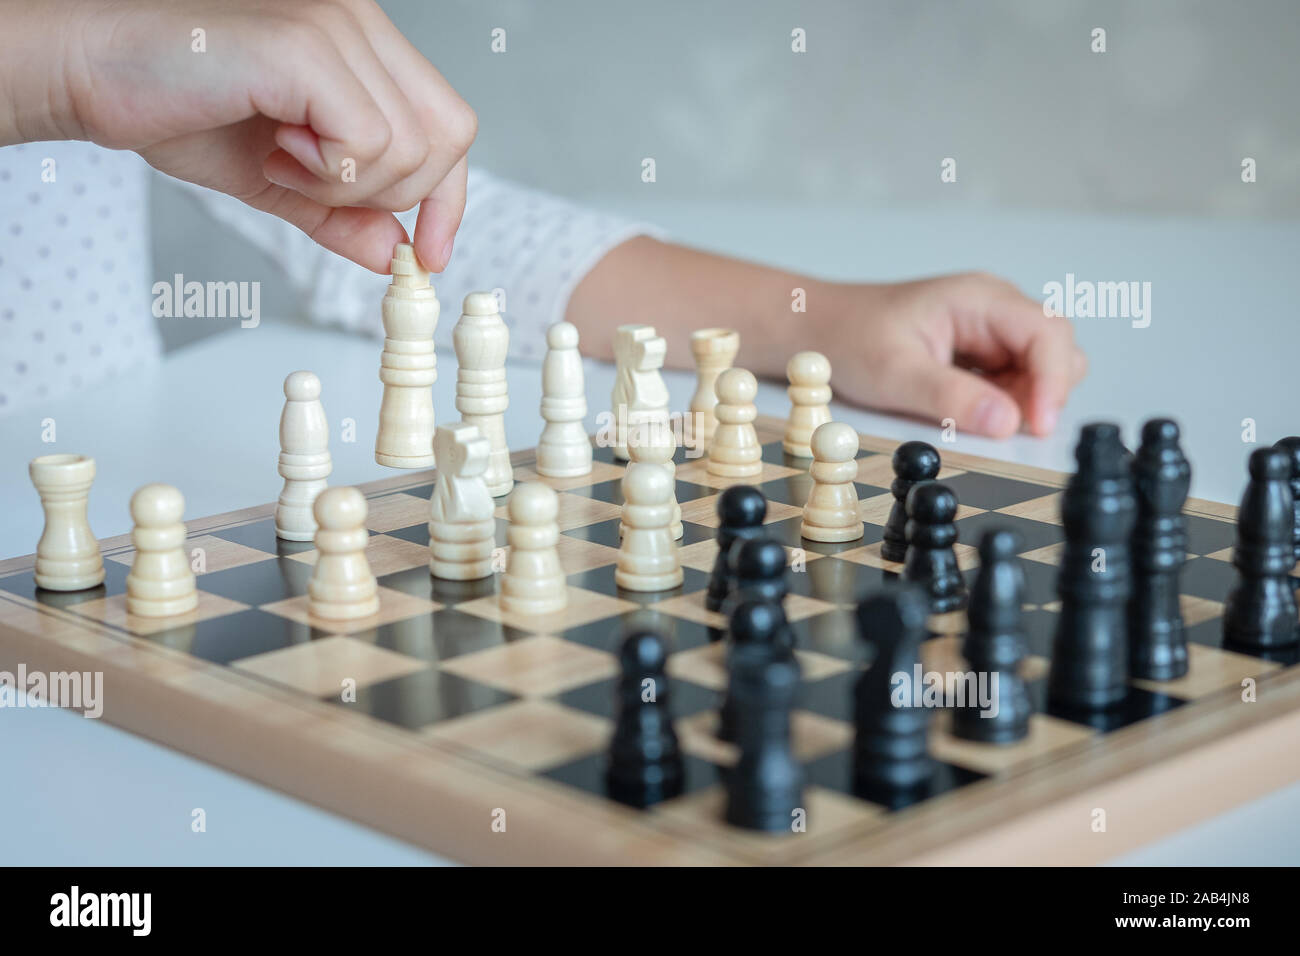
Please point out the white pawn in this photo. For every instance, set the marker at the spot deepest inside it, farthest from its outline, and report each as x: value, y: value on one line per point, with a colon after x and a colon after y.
x: 342, y: 586
x: 564, y: 450
x: 461, y: 525
x: 481, y: 340
x: 534, y: 583
x: 647, y: 556
x: 639, y: 391
x: 654, y: 443
x: 831, y: 513
x: 67, y: 556
x: 735, y: 451
x: 409, y: 365
x: 809, y: 374
x: 714, y: 350
x: 305, y: 460
x: 160, y: 582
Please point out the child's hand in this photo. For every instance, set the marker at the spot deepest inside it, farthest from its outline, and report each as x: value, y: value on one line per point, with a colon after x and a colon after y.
x: 318, y: 112
x: 919, y: 342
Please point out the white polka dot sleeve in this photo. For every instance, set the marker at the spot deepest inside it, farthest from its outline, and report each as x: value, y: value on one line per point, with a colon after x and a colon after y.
x: 532, y: 246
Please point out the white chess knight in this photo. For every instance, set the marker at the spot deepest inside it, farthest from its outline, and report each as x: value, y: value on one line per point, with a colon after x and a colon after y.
x: 305, y: 461
x: 714, y: 351
x: 639, y: 391
x: 461, y: 524
x: 647, y: 555
x: 409, y: 365
x: 809, y: 374
x: 67, y: 556
x: 534, y: 580
x: 653, y: 442
x: 481, y: 340
x: 342, y: 586
x: 735, y: 451
x: 831, y: 512
x: 160, y: 582
x: 564, y: 450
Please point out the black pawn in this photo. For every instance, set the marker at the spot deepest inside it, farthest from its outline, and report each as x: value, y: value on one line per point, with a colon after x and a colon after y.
x: 1292, y: 447
x: 1089, y: 669
x: 1261, y: 609
x: 931, y: 559
x: 741, y: 510
x: 765, y: 788
x: 890, y: 751
x: 758, y: 631
x: 913, y: 461
x: 1161, y: 479
x: 756, y: 569
x: 645, y: 763
x: 995, y: 646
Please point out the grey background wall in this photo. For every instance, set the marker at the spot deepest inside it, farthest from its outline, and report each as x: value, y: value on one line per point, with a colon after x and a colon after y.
x: 1157, y: 125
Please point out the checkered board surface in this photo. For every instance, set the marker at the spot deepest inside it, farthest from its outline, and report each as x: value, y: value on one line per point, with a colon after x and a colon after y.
x: 462, y: 711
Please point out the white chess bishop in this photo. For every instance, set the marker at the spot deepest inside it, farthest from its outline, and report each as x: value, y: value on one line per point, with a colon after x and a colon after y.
x: 831, y: 512
x: 409, y: 365
x: 809, y: 374
x: 534, y: 580
x: 160, y: 582
x: 639, y: 392
x: 564, y: 450
x: 305, y: 461
x: 462, y: 528
x: 481, y: 340
x: 735, y: 451
x: 342, y: 586
x: 67, y: 556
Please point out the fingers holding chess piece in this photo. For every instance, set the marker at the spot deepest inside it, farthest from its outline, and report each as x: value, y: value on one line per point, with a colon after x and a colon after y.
x: 305, y: 461
x: 342, y: 586
x: 408, y: 366
x: 735, y: 451
x: 809, y: 374
x: 831, y: 513
x: 534, y: 580
x: 160, y: 583
x: 67, y: 556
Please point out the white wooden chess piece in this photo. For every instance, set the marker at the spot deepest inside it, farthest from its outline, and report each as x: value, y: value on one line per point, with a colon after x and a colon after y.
x: 809, y: 374
x: 534, y: 580
x: 409, y: 365
x: 639, y: 391
x: 67, y: 556
x: 831, y: 513
x: 647, y: 555
x: 564, y: 450
x: 160, y: 582
x: 342, y: 586
x: 735, y: 451
x: 654, y: 443
x: 482, y: 395
x: 461, y: 524
x: 305, y: 460
x: 714, y: 351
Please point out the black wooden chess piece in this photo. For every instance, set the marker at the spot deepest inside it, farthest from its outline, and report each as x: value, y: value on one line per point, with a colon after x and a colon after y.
x: 645, y: 763
x: 757, y: 571
x: 758, y: 630
x: 995, y: 646
x: 1291, y: 446
x: 1089, y: 670
x: 765, y: 788
x: 1161, y: 479
x: 913, y: 461
x: 741, y: 510
x: 891, y: 751
x: 931, y: 559
x: 1261, y: 608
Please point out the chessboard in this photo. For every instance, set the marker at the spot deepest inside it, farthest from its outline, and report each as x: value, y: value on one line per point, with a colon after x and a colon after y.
x: 482, y: 735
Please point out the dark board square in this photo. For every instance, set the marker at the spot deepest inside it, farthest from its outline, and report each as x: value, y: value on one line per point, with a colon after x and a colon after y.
x: 788, y: 532
x: 678, y: 634
x: 263, y: 582
x: 419, y: 533
x: 1208, y: 578
x: 992, y: 491
x: 1031, y: 535
x: 233, y: 637
x: 774, y: 454
x: 602, y: 532
x: 831, y: 696
x: 694, y: 533
x: 1206, y: 536
x: 260, y: 535
x: 834, y: 633
x: 421, y: 491
x: 1040, y: 630
x: 684, y: 698
x: 1206, y: 633
x: 601, y: 580
x: 24, y: 585
x: 835, y: 772
x: 424, y: 698
x: 1040, y: 581
x: 444, y: 634
x: 790, y: 490
x: 420, y: 583
x: 612, y: 491
x: 588, y: 774
x: 605, y: 453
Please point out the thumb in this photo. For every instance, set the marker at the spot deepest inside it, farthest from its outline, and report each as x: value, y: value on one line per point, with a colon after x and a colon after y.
x: 972, y: 401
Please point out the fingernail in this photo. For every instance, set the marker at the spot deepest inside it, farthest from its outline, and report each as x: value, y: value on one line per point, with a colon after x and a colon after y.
x: 995, y: 416
x: 1047, y: 419
x: 446, y: 252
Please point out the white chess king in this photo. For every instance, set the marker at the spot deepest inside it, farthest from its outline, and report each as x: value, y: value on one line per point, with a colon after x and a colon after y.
x: 481, y: 340
x: 409, y: 366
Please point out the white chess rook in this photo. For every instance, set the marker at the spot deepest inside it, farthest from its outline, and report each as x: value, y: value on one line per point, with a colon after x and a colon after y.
x: 735, y: 451
x: 342, y: 586
x: 305, y: 460
x: 639, y: 391
x: 714, y: 351
x: 408, y: 366
x: 67, y: 556
x: 647, y: 555
x: 160, y: 582
x: 461, y: 524
x: 564, y: 450
x: 809, y: 374
x: 831, y: 513
x: 534, y: 583
x: 654, y: 443
x: 482, y: 395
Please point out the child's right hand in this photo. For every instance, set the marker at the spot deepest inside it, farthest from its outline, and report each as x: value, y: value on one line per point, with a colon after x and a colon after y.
x: 318, y: 112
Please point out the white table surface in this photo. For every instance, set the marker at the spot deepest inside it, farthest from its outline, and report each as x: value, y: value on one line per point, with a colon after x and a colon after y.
x: 1222, y: 346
